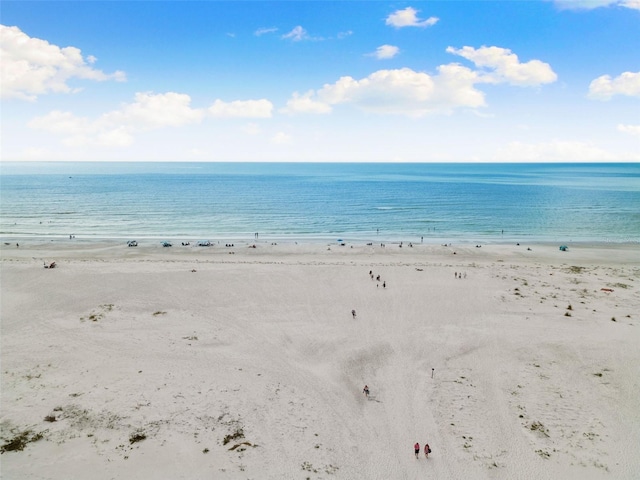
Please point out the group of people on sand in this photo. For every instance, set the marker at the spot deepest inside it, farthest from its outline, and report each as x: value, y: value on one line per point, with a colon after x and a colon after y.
x: 427, y: 450
x: 416, y: 447
x: 384, y: 285
x: 402, y: 243
x: 377, y: 277
x: 366, y: 391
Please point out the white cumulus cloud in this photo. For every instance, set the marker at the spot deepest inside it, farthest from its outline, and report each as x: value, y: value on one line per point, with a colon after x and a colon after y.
x: 407, y: 92
x: 297, y: 34
x: 630, y: 129
x: 605, y: 87
x: 305, y: 104
x: 409, y: 18
x: 59, y: 122
x: 264, y: 31
x: 385, y: 52
x: 506, y: 67
x: 78, y: 131
x: 242, y: 109
x: 117, y: 128
x: 32, y: 67
x: 150, y: 111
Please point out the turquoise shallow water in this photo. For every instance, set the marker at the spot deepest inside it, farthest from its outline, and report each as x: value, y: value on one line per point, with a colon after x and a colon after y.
x: 354, y: 202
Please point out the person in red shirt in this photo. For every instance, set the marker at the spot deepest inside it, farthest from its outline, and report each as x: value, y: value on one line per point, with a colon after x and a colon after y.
x: 416, y: 447
x: 427, y: 450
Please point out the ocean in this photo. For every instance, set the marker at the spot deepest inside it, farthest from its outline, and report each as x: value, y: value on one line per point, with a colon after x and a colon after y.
x: 353, y: 202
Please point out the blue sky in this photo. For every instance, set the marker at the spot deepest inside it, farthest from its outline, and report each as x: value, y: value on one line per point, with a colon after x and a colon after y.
x: 422, y: 81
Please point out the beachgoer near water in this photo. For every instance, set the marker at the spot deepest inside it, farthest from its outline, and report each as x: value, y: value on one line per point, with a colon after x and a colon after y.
x: 416, y: 448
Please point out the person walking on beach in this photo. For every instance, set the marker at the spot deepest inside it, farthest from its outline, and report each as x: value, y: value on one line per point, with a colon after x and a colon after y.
x: 416, y: 448
x: 427, y: 450
x: 366, y: 391
x: 353, y: 313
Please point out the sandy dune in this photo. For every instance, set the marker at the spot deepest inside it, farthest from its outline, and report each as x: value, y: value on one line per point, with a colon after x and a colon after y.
x: 197, y: 363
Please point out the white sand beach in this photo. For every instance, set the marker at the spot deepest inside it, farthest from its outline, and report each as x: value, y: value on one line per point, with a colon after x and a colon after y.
x: 193, y: 362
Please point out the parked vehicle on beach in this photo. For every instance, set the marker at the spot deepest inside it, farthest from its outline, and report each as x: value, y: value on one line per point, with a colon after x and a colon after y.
x: 166, y: 244
x: 132, y: 243
x: 204, y: 243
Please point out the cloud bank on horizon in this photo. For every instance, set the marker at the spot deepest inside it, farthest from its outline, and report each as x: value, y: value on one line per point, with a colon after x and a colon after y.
x: 278, y: 91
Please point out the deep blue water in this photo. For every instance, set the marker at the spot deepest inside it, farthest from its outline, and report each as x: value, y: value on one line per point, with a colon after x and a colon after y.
x: 358, y: 202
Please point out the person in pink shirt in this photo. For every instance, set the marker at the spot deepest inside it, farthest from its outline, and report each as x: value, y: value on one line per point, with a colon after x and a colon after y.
x: 427, y: 450
x: 416, y: 447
